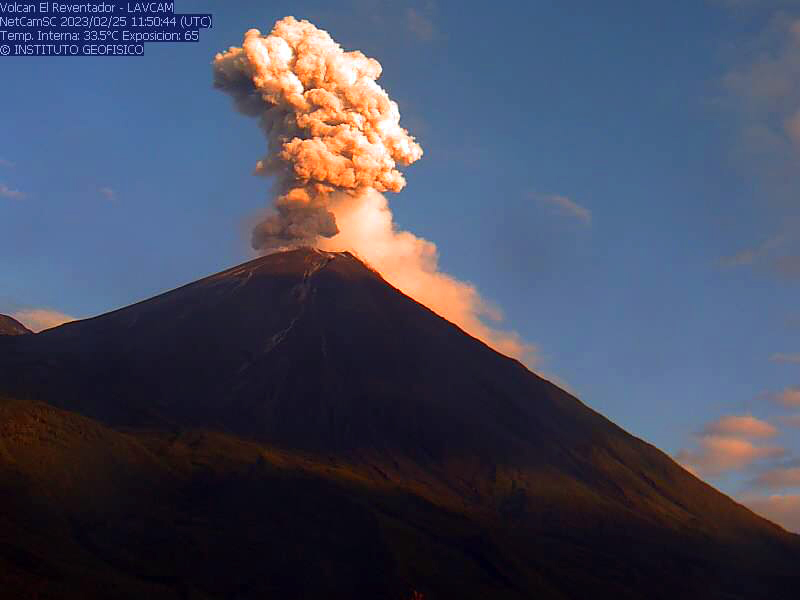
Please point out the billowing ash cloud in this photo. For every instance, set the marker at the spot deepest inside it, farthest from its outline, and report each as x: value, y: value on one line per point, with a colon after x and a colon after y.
x: 330, y: 127
x: 334, y: 144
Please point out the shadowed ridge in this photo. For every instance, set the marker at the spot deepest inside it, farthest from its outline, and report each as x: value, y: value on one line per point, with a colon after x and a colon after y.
x: 315, y: 355
x: 10, y: 326
x: 276, y: 264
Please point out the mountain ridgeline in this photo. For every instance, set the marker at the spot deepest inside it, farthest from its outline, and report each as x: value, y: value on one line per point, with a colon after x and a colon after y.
x: 10, y: 326
x: 295, y: 427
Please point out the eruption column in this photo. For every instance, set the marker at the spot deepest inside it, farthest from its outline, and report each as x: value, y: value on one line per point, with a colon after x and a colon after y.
x: 330, y: 127
x: 334, y: 143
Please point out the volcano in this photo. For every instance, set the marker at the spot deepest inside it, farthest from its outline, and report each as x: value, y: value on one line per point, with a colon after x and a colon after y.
x: 296, y: 427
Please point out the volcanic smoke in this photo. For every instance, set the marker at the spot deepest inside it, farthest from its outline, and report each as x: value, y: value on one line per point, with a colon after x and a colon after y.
x: 334, y: 144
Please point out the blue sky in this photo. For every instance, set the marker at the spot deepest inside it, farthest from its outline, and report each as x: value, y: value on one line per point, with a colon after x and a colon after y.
x: 619, y: 178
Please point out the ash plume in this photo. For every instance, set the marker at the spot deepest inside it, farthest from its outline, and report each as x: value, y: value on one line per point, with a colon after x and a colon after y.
x: 411, y: 264
x: 330, y: 127
x: 334, y: 144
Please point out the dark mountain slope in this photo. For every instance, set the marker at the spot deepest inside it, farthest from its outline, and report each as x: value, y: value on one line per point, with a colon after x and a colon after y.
x: 10, y: 326
x: 458, y: 455
x: 90, y: 512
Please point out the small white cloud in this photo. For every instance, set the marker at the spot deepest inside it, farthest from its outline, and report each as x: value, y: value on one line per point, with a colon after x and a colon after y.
x: 39, y: 319
x: 568, y: 208
x: 7, y: 192
x: 107, y: 193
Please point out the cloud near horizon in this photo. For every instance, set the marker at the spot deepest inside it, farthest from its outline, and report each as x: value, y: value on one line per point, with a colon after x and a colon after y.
x: 39, y: 319
x: 781, y: 509
x: 726, y: 445
x: 778, y: 478
x: 720, y: 454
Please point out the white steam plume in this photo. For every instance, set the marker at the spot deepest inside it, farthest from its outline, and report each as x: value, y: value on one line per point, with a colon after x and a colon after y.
x: 334, y: 144
x: 410, y: 263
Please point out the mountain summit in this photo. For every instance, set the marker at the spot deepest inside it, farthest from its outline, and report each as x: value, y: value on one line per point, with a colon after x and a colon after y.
x: 296, y: 427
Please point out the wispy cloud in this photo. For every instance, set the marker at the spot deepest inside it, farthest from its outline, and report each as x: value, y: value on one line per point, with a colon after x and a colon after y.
x: 742, y: 258
x: 786, y: 358
x: 791, y: 420
x: 389, y: 22
x: 788, y: 397
x: 759, y: 497
x: 733, y: 4
x: 567, y: 207
x: 420, y: 24
x: 7, y: 192
x: 777, y: 255
x: 7, y: 163
x: 737, y: 5
x: 717, y: 454
x: 727, y: 444
x: 39, y: 319
x: 749, y: 256
x: 761, y: 95
x: 787, y: 267
x: 740, y: 425
x: 778, y: 478
x: 781, y: 509
x: 764, y: 93
x: 107, y: 193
